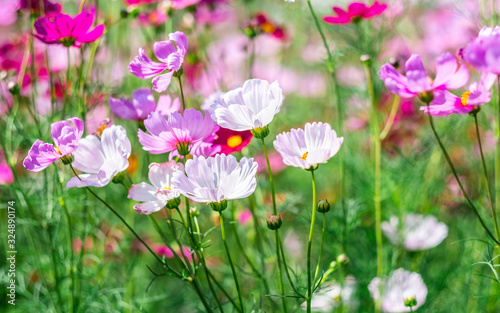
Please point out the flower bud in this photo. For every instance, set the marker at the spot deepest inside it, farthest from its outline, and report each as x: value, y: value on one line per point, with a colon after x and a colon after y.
x: 366, y: 60
x: 194, y: 212
x: 124, y: 13
x: 260, y: 132
x: 394, y: 62
x: 323, y: 206
x: 13, y: 88
x: 67, y: 159
x: 342, y: 259
x: 174, y: 203
x: 274, y: 222
x: 410, y: 301
x: 219, y: 206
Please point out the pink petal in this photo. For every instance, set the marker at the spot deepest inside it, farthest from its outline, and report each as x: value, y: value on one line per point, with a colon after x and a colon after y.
x: 93, y: 35
x: 416, y: 76
x: 161, y: 82
x: 163, y: 49
x: 144, y: 68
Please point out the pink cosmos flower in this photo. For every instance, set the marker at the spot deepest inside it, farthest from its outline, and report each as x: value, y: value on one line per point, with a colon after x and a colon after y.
x: 6, y: 175
x: 356, y: 11
x: 171, y: 53
x: 101, y: 159
x: 449, y: 75
x: 232, y: 141
x: 186, y: 133
x: 65, y: 136
x: 446, y: 103
x: 181, y: 4
x: 275, y: 160
x: 165, y: 251
x: 142, y: 104
x: 68, y: 31
x: 307, y: 148
x: 244, y: 216
x: 483, y: 52
x: 154, y: 197
x: 216, y: 179
x: 8, y: 14
x: 154, y: 18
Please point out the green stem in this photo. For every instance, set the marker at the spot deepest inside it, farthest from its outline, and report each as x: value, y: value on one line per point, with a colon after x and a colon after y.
x: 286, y: 267
x: 309, y: 244
x: 321, y: 248
x: 233, y: 270
x: 258, y: 235
x: 485, y: 173
x: 453, y: 170
x: 280, y: 274
x: 165, y: 240
x: 391, y: 118
x: 182, y: 93
x: 271, y: 181
x: 252, y: 58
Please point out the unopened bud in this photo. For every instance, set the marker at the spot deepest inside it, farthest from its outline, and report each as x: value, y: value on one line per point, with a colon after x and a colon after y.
x: 394, y: 62
x: 323, y: 206
x: 342, y: 259
x: 124, y: 13
x: 365, y: 59
x: 260, y: 132
x: 219, y: 206
x: 274, y: 222
x: 13, y: 88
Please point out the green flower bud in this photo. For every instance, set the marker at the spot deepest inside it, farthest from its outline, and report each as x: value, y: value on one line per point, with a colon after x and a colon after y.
x: 274, y: 222
x: 260, y: 132
x: 194, y: 212
x: 13, y: 88
x: 323, y: 206
x: 219, y: 206
x: 124, y: 13
x: 342, y: 259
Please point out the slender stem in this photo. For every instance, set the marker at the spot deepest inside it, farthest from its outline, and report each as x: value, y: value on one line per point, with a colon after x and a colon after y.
x: 252, y: 58
x: 235, y: 277
x: 321, y: 248
x: 309, y: 244
x: 271, y: 181
x: 280, y: 274
x: 485, y: 173
x: 286, y: 267
x: 177, y: 240
x: 182, y: 93
x: 391, y: 118
x: 258, y: 235
x: 452, y: 167
x: 236, y: 307
x: 199, y: 292
x: 165, y: 240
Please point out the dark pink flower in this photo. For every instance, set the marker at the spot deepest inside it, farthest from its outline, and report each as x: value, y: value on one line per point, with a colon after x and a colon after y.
x: 356, y: 11
x: 68, y: 31
x: 232, y: 141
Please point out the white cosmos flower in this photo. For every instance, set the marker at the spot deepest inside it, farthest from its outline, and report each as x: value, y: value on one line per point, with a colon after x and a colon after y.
x: 154, y: 197
x: 418, y: 232
x: 101, y: 159
x: 307, y: 148
x: 215, y: 179
x: 248, y: 107
x: 329, y: 297
x: 400, y: 285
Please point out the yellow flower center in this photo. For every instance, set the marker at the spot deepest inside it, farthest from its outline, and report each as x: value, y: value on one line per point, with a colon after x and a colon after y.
x: 465, y: 98
x: 268, y: 27
x: 167, y: 188
x: 234, y: 141
x: 58, y: 150
x: 101, y: 128
x: 304, y: 156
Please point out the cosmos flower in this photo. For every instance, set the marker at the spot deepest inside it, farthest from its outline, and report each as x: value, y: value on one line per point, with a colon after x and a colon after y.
x: 232, y: 141
x: 154, y: 197
x: 446, y: 103
x: 217, y: 179
x: 65, y: 137
x: 393, y: 291
x: 248, y: 107
x: 182, y: 132
x: 330, y: 296
x: 483, y: 52
x: 417, y: 233
x: 356, y: 11
x: 449, y: 75
x: 101, y: 159
x: 142, y: 104
x: 68, y: 31
x: 49, y: 8
x: 307, y: 148
x: 171, y: 55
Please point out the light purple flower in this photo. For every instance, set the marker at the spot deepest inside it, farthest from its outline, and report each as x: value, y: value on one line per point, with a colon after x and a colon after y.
x: 186, y: 133
x: 216, y: 179
x: 307, y: 148
x: 142, y: 104
x: 248, y: 107
x: 154, y: 197
x: 483, y: 53
x: 446, y: 103
x: 65, y: 137
x: 417, y: 233
x: 101, y: 159
x: 449, y: 75
x: 171, y: 55
x: 393, y: 291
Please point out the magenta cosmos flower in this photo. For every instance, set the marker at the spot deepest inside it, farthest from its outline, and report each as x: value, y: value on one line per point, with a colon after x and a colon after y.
x: 65, y: 136
x: 142, y: 104
x: 217, y: 179
x: 449, y: 75
x: 171, y: 55
x: 356, y: 11
x: 483, y: 53
x: 446, y: 103
x: 231, y: 141
x: 154, y: 197
x: 68, y: 31
x: 307, y: 148
x: 101, y: 159
x: 184, y: 133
